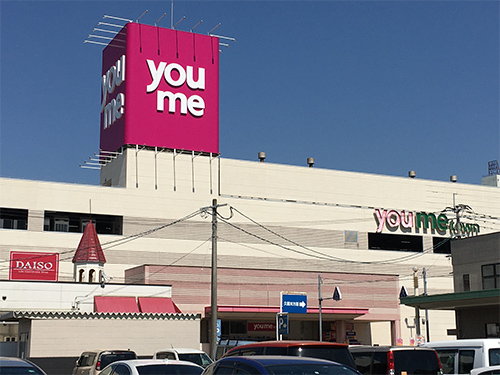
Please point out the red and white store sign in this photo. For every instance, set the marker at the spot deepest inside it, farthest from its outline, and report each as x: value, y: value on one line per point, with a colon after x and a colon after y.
x: 252, y: 327
x: 33, y: 266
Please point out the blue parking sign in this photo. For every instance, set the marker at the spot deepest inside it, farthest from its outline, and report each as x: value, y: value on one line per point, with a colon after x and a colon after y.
x: 283, y: 324
x: 219, y: 328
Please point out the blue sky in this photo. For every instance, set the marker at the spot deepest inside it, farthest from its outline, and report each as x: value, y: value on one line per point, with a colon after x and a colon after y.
x: 368, y: 86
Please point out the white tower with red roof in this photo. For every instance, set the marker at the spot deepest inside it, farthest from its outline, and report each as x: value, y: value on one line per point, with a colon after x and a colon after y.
x: 89, y: 258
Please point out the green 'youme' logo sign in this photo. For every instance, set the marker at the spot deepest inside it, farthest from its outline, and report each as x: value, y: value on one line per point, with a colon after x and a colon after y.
x: 422, y: 220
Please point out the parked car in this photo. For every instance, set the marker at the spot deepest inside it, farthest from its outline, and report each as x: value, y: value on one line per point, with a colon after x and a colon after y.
x: 93, y: 361
x: 462, y: 356
x: 395, y: 360
x: 18, y: 366
x: 488, y: 370
x: 182, y: 354
x: 331, y: 351
x: 152, y: 367
x: 277, y: 365
x: 226, y: 345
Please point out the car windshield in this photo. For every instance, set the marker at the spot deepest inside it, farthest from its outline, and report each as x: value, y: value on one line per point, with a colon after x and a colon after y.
x: 106, y: 359
x: 164, y: 369
x: 309, y: 369
x: 20, y: 371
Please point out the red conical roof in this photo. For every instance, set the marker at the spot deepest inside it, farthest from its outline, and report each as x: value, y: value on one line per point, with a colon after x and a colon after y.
x: 89, y: 250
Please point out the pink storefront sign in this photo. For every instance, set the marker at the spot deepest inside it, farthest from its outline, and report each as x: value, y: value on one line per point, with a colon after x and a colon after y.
x: 160, y: 88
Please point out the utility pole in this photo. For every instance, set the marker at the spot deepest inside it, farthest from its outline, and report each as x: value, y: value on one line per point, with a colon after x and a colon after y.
x: 320, y: 299
x: 213, y: 298
x: 427, y: 329
x: 455, y: 208
x: 415, y: 292
x: 337, y: 296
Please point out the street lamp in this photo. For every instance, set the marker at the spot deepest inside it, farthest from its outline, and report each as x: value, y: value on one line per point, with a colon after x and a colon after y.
x: 337, y: 296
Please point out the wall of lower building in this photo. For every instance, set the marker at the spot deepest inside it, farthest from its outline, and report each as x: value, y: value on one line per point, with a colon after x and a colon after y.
x: 469, y: 255
x: 34, y: 296
x: 471, y: 323
x: 70, y: 337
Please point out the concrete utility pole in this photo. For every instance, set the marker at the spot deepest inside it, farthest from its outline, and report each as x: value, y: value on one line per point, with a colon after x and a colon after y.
x: 417, y: 310
x: 213, y: 299
x: 337, y: 296
x: 427, y: 328
x: 320, y: 300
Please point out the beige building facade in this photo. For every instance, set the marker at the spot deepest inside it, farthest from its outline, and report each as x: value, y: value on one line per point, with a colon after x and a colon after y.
x: 281, y: 229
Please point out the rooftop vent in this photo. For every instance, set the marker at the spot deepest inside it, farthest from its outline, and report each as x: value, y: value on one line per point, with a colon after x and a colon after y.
x: 412, y: 174
x: 310, y: 162
x: 453, y: 178
x: 262, y: 156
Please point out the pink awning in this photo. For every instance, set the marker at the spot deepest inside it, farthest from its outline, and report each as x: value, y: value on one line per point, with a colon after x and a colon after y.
x: 116, y: 304
x: 158, y: 305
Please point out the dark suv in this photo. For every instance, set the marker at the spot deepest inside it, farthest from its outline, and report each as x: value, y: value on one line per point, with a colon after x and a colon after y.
x: 331, y: 351
x: 395, y: 360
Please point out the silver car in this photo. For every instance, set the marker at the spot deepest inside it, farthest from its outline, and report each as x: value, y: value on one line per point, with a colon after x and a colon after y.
x: 152, y: 367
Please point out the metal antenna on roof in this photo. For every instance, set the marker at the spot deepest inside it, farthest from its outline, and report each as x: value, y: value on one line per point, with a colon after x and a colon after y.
x: 214, y: 28
x: 201, y: 21
x: 164, y: 14
x: 223, y: 37
x: 178, y: 22
x: 141, y: 16
x: 117, y: 18
x: 172, y: 15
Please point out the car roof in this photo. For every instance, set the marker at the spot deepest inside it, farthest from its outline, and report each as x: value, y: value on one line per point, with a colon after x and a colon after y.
x: 385, y: 348
x: 108, y: 351
x: 181, y: 351
x: 266, y: 360
x: 144, y: 362
x: 288, y: 343
x: 480, y: 370
x: 14, y: 361
x: 491, y: 342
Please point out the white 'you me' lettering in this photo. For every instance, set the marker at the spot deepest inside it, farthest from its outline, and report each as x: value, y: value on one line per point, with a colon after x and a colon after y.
x: 194, y: 104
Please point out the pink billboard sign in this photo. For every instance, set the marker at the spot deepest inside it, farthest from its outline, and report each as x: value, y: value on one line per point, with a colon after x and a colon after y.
x: 160, y: 88
x: 33, y: 266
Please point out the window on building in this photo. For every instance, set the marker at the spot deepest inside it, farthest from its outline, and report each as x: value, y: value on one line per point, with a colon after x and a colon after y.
x: 441, y: 245
x: 466, y: 280
x: 73, y: 222
x: 399, y: 242
x: 13, y: 218
x: 232, y: 327
x: 491, y: 276
x: 350, y: 236
x: 492, y: 331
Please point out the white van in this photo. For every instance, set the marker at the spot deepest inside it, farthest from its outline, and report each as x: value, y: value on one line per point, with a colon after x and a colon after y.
x: 191, y: 355
x: 461, y: 356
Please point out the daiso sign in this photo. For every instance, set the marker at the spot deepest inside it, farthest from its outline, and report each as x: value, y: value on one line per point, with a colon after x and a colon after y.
x: 33, y: 266
x: 160, y: 88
